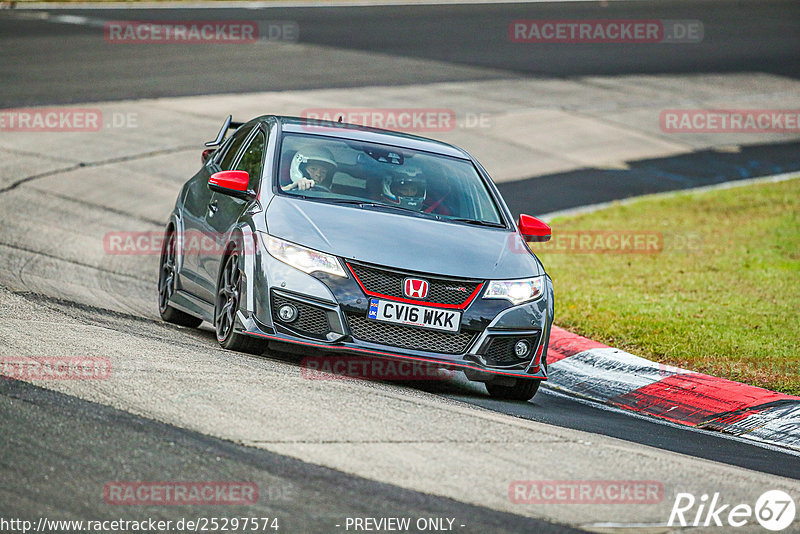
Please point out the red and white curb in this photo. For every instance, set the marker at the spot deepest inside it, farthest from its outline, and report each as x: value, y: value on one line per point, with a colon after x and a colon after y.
x: 589, y: 369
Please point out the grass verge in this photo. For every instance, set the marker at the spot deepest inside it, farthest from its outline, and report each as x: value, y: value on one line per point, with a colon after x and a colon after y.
x: 707, y: 281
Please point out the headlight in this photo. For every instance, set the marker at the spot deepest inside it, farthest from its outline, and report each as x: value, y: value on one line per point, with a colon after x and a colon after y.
x: 516, y: 291
x: 303, y: 258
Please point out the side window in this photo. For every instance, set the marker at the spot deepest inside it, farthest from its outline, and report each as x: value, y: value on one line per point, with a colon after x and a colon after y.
x: 238, y: 138
x: 252, y: 158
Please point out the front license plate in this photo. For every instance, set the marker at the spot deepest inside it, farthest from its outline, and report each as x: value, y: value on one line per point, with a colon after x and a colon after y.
x: 413, y: 315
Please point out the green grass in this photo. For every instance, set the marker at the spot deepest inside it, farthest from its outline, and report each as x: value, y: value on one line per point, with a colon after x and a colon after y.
x: 728, y: 304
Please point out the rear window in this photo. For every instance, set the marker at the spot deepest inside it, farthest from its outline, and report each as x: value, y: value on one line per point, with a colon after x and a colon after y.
x: 236, y: 143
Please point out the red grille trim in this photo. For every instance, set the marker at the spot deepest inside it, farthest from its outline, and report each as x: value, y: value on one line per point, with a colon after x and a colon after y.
x: 461, y: 306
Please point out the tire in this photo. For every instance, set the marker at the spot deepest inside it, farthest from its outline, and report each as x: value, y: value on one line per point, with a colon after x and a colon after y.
x: 226, y: 304
x: 523, y: 390
x: 166, y: 286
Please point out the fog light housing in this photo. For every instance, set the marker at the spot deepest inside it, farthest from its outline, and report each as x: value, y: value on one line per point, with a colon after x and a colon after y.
x: 287, y: 313
x: 522, y: 348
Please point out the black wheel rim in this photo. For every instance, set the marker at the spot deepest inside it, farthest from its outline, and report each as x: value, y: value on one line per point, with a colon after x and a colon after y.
x: 227, y: 298
x: 166, y: 279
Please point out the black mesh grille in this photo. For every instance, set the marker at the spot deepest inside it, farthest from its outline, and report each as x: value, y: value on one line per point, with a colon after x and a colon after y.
x: 310, y: 319
x: 408, y: 337
x: 501, y: 349
x: 390, y: 283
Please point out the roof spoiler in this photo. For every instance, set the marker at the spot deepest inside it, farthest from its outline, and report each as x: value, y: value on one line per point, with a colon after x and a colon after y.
x: 227, y: 125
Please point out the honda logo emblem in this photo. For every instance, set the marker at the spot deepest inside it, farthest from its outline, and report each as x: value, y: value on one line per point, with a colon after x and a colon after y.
x: 415, y: 288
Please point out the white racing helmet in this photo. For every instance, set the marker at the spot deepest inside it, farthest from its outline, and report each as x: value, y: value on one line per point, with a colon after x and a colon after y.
x: 313, y: 155
x: 406, y: 187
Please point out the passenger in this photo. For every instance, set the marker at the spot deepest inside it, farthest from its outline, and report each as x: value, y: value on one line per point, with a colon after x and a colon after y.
x: 410, y: 189
x: 407, y: 188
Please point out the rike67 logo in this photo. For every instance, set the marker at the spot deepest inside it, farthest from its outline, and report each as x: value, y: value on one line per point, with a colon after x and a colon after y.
x: 774, y: 510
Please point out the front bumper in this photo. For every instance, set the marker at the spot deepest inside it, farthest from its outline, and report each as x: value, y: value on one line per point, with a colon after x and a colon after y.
x: 252, y: 328
x: 334, y: 311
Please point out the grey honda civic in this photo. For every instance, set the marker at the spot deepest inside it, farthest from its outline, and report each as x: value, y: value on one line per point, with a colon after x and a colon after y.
x: 332, y: 237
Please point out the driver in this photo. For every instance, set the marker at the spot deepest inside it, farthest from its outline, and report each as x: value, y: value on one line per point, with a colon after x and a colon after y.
x: 406, y: 188
x: 312, y: 167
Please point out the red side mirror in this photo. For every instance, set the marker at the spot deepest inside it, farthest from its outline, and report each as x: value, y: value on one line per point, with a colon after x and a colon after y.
x: 229, y: 182
x: 206, y: 154
x: 532, y: 229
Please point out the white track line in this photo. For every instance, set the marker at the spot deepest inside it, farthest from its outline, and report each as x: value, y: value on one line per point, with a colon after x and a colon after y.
x: 774, y: 178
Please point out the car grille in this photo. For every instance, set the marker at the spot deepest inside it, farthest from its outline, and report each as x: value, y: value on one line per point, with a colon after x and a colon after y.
x: 500, y: 350
x: 390, y: 283
x: 408, y: 337
x: 310, y: 319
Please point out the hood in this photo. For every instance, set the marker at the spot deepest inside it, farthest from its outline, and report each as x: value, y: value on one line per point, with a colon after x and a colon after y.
x: 402, y: 241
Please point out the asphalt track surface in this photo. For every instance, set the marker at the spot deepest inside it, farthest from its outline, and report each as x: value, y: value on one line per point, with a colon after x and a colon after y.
x: 568, y: 190
x: 78, y: 444
x: 448, y: 43
x: 62, y: 438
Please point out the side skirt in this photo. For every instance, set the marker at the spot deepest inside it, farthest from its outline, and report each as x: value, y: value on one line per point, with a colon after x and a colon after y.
x: 192, y: 305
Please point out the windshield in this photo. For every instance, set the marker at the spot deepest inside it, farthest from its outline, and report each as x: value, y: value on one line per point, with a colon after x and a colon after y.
x: 380, y: 176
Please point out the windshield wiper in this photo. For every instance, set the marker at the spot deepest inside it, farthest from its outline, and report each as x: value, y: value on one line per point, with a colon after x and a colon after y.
x: 369, y: 204
x: 352, y: 201
x: 476, y: 222
x: 391, y: 207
